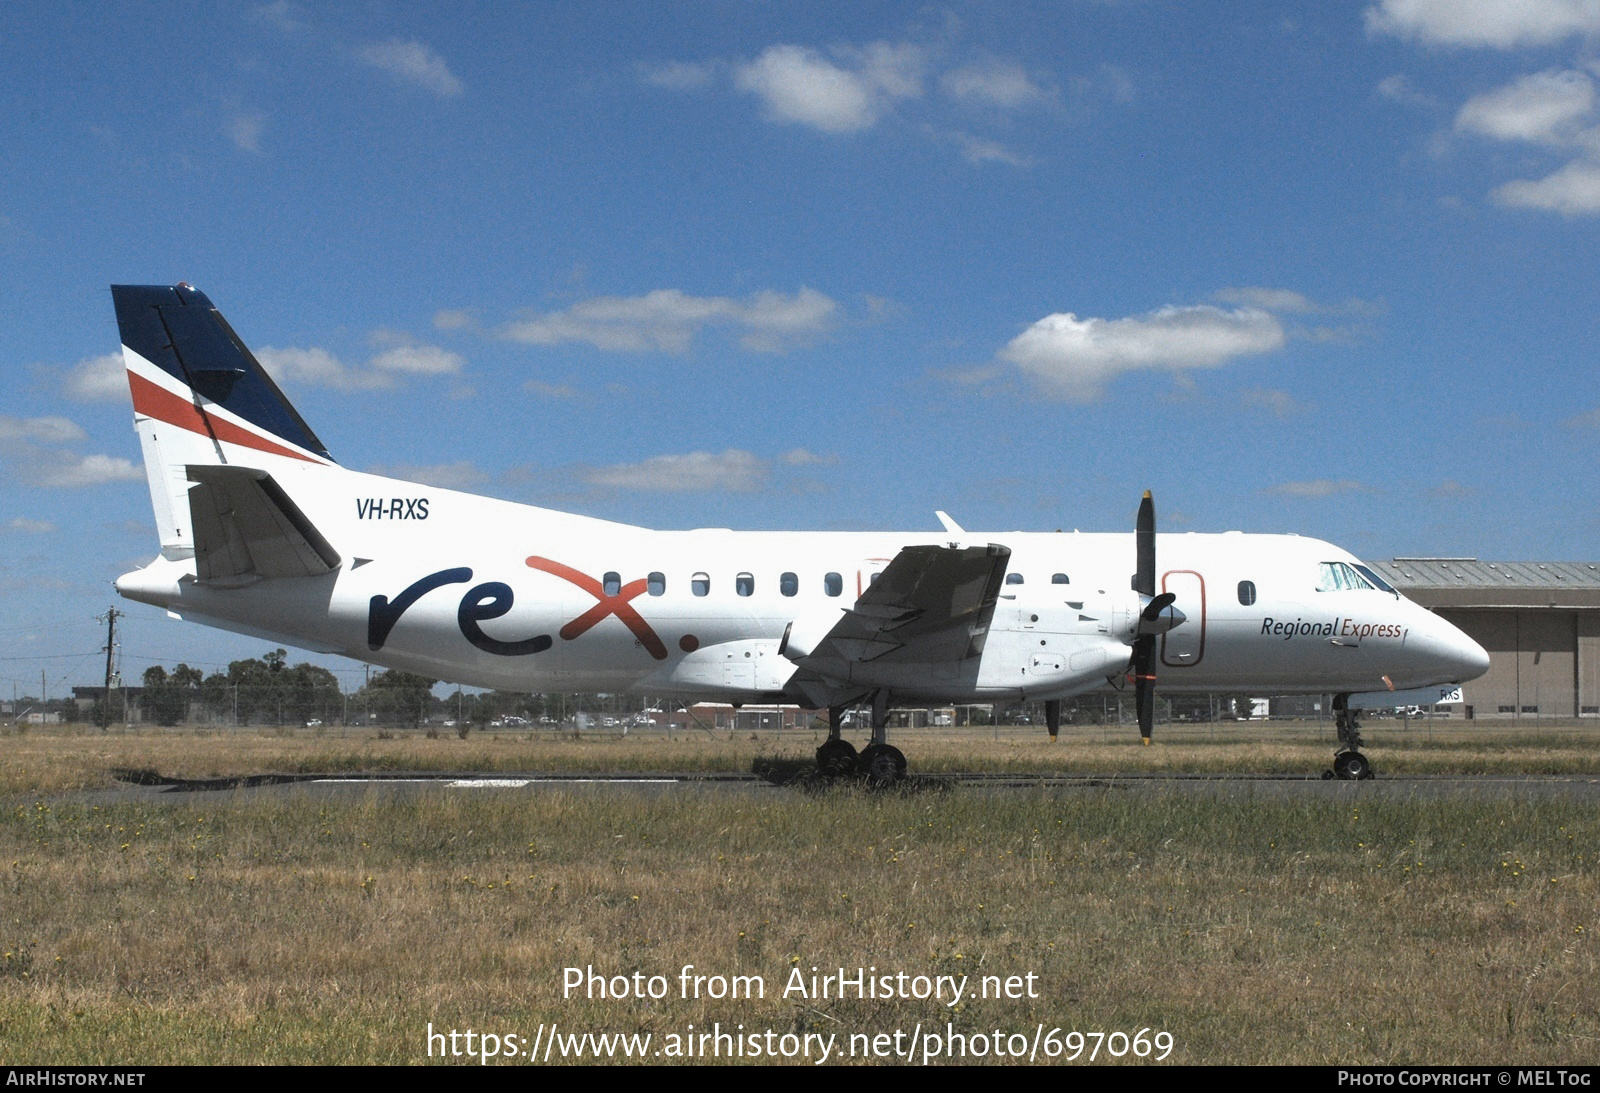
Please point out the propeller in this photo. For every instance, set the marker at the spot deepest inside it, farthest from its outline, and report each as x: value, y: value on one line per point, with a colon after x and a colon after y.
x: 1156, y: 616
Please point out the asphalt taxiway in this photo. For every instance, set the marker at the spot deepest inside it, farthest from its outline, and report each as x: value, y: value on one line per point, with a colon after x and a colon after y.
x: 151, y: 787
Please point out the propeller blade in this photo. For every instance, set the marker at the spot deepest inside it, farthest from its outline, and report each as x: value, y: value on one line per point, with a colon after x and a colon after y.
x: 1144, y: 543
x: 1144, y: 683
x: 1052, y: 716
x: 1144, y: 645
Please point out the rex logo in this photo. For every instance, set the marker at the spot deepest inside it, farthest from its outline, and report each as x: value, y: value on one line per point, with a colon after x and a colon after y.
x: 492, y: 599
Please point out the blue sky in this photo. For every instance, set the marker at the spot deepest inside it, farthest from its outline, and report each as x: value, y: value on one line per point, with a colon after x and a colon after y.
x: 1319, y: 268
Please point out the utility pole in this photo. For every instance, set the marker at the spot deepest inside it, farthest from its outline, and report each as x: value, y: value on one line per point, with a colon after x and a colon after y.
x: 111, y: 645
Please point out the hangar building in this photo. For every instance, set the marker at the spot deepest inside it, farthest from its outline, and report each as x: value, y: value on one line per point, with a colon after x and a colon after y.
x: 1539, y: 621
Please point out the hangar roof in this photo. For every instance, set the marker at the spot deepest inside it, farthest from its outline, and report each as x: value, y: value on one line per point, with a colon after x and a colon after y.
x: 1467, y: 582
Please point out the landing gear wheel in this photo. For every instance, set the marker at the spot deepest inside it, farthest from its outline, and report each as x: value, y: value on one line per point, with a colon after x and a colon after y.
x: 882, y: 764
x: 836, y: 758
x: 1352, y: 766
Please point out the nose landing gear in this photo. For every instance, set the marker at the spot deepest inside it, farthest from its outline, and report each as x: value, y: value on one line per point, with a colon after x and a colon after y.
x: 1349, y: 763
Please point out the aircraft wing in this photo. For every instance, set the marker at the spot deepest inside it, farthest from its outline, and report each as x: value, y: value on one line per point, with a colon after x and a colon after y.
x: 931, y: 605
x: 246, y: 525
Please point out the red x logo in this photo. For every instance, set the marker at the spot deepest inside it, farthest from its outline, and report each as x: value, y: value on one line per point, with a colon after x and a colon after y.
x: 605, y: 606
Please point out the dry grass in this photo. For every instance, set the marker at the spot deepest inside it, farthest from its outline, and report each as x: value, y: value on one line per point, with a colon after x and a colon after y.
x: 80, y: 757
x: 1313, y: 928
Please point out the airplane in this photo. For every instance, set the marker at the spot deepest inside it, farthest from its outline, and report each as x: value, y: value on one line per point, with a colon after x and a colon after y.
x: 263, y: 533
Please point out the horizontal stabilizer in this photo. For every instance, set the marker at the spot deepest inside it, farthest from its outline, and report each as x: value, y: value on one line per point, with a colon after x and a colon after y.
x: 246, y: 526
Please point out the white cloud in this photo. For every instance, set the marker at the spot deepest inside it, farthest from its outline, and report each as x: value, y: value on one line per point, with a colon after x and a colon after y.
x: 98, y: 379
x: 1074, y: 358
x: 734, y: 470
x: 550, y: 390
x: 34, y: 451
x: 1574, y: 190
x: 666, y: 320
x: 993, y: 82
x: 39, y: 430
x: 1317, y: 487
x: 981, y: 150
x: 282, y: 15
x: 1267, y: 299
x: 802, y: 86
x: 1544, y: 108
x: 848, y: 89
x: 245, y: 131
x: 414, y: 63
x: 680, y: 75
x: 802, y: 457
x: 460, y: 475
x: 319, y: 368
x: 1397, y: 88
x: 1278, y: 403
x: 1498, y: 24
x: 67, y: 471
x: 29, y: 526
x: 454, y: 319
x: 421, y: 360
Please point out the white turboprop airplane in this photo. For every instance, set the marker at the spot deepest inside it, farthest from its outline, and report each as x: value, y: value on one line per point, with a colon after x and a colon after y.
x: 262, y: 533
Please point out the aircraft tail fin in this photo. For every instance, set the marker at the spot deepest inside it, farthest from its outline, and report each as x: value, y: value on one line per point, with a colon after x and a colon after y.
x: 201, y: 399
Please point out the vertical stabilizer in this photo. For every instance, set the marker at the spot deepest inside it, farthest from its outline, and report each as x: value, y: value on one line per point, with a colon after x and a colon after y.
x: 200, y: 398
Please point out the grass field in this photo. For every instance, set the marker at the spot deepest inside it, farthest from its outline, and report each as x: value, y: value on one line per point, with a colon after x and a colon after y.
x: 1345, y: 927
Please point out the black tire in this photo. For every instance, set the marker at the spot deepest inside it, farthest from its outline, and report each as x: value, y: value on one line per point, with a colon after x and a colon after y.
x: 1352, y: 766
x: 836, y: 758
x: 882, y: 764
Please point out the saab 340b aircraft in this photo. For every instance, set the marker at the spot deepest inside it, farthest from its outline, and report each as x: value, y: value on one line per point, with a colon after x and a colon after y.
x: 262, y: 533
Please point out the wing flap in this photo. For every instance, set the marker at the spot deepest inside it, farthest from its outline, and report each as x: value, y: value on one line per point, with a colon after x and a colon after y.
x: 931, y: 605
x: 245, y: 525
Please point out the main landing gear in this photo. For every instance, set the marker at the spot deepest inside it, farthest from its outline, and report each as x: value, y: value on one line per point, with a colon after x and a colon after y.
x: 1348, y: 763
x: 880, y: 763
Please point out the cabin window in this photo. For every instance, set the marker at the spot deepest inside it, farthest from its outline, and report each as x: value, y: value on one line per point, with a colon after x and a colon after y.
x: 656, y: 584
x: 1013, y: 578
x: 700, y: 584
x: 832, y: 584
x: 1059, y: 578
x: 1247, y: 592
x: 788, y: 584
x: 611, y: 583
x: 745, y: 584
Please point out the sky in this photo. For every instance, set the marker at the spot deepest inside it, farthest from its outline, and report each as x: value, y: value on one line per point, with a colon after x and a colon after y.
x: 1328, y: 269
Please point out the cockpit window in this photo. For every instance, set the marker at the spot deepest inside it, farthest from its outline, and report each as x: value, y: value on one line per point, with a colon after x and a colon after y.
x: 1382, y: 584
x: 1338, y: 576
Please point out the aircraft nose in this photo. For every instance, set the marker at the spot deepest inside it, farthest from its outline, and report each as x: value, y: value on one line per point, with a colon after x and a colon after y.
x: 1474, y: 658
x: 1458, y: 656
